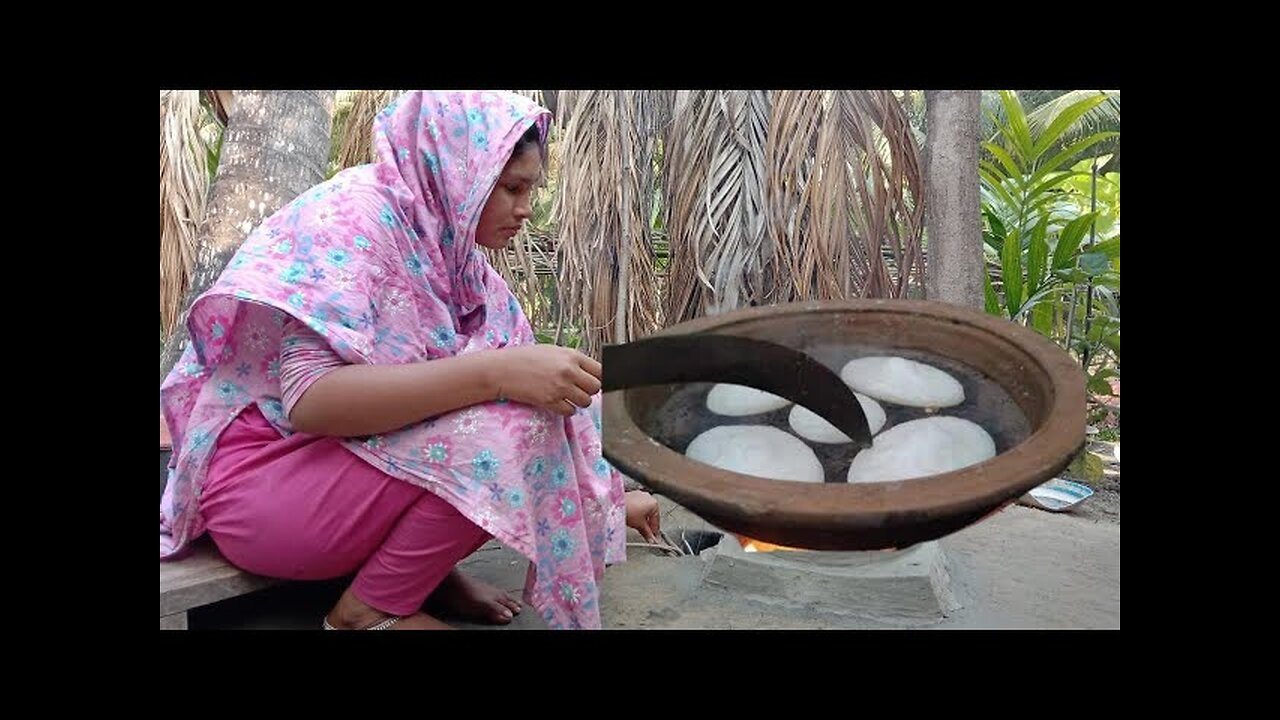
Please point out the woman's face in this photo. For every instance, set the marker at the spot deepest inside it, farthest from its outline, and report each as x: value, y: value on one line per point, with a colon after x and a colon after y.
x: 511, y: 202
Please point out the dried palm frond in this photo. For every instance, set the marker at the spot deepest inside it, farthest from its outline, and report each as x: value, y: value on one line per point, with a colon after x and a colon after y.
x: 353, y: 125
x: 893, y: 225
x: 844, y: 192
x: 607, y: 274
x: 184, y: 184
x: 715, y: 188
x: 793, y: 140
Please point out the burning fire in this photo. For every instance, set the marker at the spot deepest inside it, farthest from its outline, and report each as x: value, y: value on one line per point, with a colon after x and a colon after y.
x: 752, y: 545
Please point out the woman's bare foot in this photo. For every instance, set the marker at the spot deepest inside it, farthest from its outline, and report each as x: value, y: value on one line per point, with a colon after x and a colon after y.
x: 466, y: 598
x: 352, y: 613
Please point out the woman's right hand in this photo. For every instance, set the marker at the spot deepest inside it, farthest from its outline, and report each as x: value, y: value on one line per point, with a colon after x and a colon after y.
x: 547, y: 376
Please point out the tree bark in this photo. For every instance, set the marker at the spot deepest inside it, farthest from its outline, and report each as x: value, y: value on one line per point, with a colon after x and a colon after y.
x: 276, y: 147
x: 955, y: 266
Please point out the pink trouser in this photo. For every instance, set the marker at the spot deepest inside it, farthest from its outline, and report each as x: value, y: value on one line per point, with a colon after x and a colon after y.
x: 306, y: 508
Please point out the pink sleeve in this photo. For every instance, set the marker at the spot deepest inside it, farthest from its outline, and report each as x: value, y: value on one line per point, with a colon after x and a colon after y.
x: 305, y: 357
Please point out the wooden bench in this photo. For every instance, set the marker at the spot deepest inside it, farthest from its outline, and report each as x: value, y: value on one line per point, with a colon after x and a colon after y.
x: 199, y: 579
x: 202, y: 577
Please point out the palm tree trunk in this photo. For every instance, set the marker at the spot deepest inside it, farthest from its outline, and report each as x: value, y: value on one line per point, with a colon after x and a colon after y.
x: 954, y: 273
x: 276, y: 146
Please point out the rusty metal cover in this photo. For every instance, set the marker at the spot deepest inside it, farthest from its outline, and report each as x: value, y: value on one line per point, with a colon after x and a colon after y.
x: 708, y: 357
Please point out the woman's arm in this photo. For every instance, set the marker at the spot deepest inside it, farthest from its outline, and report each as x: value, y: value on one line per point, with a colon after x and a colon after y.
x: 324, y: 396
x: 356, y: 400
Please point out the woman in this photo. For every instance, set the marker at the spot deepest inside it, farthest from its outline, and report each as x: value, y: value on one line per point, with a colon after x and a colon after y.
x: 363, y: 393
